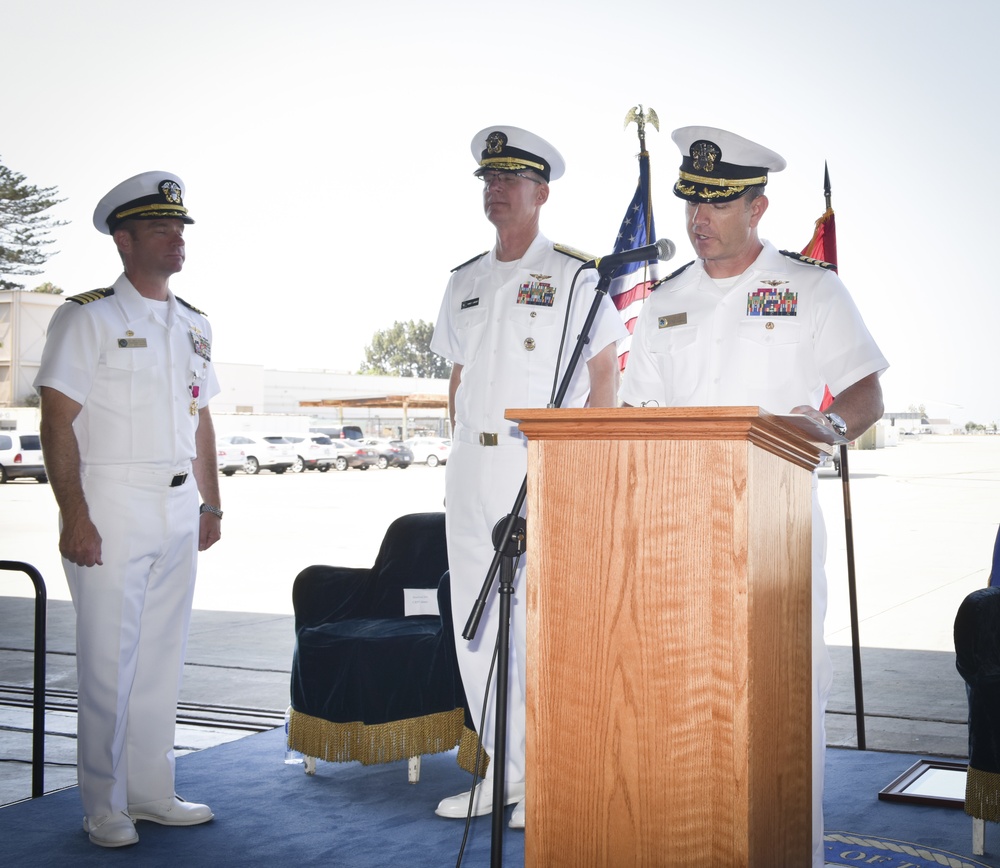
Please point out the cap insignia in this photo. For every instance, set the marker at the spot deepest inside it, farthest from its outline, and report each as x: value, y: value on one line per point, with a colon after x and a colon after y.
x: 495, y: 142
x: 704, y: 154
x: 171, y: 191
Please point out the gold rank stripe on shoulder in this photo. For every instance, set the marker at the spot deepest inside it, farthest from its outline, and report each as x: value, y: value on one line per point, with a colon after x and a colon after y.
x: 189, y: 306
x: 572, y: 251
x: 475, y: 258
x: 808, y: 260
x: 671, y: 276
x: 93, y: 295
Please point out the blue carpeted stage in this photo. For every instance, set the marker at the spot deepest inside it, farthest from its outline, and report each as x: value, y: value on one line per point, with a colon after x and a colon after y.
x: 270, y: 814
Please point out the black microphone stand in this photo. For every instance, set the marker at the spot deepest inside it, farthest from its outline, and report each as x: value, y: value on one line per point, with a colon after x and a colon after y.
x: 508, y: 536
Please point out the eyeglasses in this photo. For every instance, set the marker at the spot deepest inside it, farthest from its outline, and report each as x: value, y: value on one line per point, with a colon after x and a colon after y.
x: 503, y: 178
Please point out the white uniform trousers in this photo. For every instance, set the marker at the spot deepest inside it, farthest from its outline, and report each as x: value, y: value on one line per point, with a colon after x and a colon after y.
x: 132, y: 622
x: 481, y: 484
x: 822, y: 674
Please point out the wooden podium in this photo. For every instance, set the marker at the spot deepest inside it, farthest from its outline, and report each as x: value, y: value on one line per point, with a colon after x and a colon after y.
x: 669, y: 629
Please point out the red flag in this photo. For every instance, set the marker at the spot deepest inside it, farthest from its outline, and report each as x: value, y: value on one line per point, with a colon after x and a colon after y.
x: 823, y: 246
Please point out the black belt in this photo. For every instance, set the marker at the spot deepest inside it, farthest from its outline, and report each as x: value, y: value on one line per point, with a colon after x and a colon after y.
x: 179, y: 479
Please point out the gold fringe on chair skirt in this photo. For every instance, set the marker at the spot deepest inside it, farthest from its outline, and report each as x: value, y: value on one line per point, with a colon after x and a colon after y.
x: 982, y: 795
x: 384, y: 742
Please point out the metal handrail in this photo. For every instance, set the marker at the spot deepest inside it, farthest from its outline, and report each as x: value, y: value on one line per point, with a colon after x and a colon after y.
x: 38, y: 698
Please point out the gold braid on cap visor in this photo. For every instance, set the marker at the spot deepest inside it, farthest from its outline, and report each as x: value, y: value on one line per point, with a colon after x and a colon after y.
x: 511, y: 163
x: 175, y: 209
x: 730, y: 187
x: 723, y: 182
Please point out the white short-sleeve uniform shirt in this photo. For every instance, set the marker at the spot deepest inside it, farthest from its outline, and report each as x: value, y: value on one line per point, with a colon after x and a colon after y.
x: 140, y: 371
x: 503, y: 322
x: 773, y: 337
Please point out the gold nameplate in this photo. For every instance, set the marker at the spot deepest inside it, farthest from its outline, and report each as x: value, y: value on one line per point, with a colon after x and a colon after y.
x: 675, y: 319
x: 131, y: 343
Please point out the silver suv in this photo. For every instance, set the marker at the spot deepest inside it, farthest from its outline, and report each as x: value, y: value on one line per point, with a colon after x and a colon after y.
x: 21, y: 457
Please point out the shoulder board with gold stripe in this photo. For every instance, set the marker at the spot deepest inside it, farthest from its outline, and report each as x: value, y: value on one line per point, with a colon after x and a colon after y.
x: 93, y: 295
x: 475, y: 258
x: 671, y: 276
x: 189, y: 306
x: 808, y: 260
x: 572, y: 251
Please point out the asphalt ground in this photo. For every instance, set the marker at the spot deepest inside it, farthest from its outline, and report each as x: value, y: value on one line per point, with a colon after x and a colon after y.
x: 924, y: 516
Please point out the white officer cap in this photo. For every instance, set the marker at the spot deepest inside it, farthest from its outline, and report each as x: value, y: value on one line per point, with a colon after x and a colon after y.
x: 149, y: 196
x: 718, y: 165
x: 511, y: 149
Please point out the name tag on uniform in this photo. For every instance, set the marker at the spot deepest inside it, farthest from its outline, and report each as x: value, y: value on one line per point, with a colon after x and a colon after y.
x: 131, y: 343
x: 470, y: 302
x: 674, y: 319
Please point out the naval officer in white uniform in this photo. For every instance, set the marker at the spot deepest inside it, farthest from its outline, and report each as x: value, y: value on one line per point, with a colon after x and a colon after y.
x: 125, y: 380
x: 745, y: 324
x: 500, y: 324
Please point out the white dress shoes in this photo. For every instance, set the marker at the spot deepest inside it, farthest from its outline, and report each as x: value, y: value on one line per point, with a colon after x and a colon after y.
x: 517, y: 818
x: 457, y: 807
x: 171, y: 812
x: 114, y: 830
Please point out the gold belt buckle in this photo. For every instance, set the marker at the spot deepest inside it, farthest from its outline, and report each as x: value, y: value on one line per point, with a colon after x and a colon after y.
x: 486, y: 439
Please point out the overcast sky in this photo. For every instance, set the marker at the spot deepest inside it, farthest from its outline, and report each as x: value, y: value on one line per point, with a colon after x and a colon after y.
x: 325, y: 149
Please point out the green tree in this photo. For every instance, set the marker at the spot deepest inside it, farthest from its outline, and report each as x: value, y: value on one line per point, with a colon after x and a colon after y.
x: 404, y: 351
x: 49, y: 288
x: 23, y: 225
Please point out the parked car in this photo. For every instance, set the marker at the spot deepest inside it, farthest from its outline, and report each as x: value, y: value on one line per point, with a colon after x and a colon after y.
x: 353, y: 453
x: 263, y: 451
x: 21, y: 456
x: 431, y: 451
x: 231, y: 457
x: 314, y: 452
x: 831, y: 461
x: 391, y: 453
x: 340, y: 432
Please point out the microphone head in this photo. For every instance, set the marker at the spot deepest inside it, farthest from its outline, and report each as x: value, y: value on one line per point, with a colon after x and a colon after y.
x: 665, y: 249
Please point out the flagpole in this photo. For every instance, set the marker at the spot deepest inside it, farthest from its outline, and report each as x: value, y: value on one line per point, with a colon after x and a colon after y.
x: 852, y: 582
x: 640, y: 119
x: 852, y: 591
x: 630, y: 286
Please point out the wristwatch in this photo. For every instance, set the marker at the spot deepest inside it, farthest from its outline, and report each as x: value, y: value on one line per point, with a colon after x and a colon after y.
x: 838, y: 424
x: 212, y: 509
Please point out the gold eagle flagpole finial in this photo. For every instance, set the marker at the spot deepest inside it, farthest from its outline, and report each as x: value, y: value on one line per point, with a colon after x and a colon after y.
x: 640, y: 118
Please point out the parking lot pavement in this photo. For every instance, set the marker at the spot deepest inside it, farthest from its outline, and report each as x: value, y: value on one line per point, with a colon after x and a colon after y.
x: 924, y: 518
x: 274, y: 526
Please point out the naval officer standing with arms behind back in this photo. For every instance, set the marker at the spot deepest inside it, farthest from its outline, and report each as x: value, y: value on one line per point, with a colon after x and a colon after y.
x: 745, y: 324
x: 501, y: 323
x: 125, y: 380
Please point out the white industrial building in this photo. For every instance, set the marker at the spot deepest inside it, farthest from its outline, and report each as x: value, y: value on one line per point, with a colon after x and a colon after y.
x: 381, y: 406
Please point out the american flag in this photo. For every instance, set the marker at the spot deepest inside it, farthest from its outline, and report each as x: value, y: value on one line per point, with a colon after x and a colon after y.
x: 631, y: 283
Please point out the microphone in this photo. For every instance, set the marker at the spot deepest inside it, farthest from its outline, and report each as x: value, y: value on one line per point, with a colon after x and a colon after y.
x: 662, y: 250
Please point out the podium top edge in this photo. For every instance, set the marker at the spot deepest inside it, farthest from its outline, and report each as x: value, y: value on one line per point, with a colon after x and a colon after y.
x: 797, y: 433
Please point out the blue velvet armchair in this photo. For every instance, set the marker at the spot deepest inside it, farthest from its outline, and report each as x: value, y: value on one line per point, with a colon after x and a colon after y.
x: 368, y: 682
x: 977, y: 657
